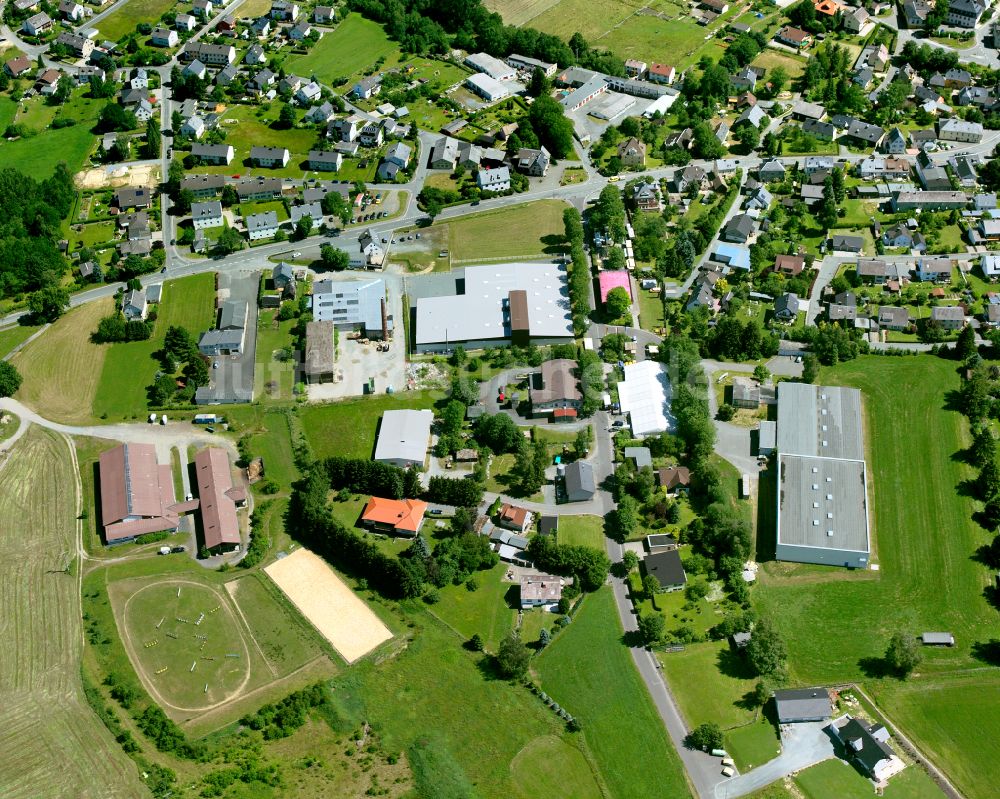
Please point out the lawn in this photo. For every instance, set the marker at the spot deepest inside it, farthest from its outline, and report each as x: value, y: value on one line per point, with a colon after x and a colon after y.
x: 354, y: 47
x: 252, y: 126
x: 835, y: 779
x: 650, y: 310
x: 124, y: 19
x: 770, y: 59
x: 488, y: 611
x: 585, y: 531
x: 62, y: 368
x: 274, y: 379
x: 129, y: 368
x: 588, y: 671
x: 13, y: 336
x: 38, y: 154
x: 921, y: 516
x: 349, y: 428
x: 531, y: 230
x: 93, y: 234
x: 262, y: 207
x: 270, y: 440
x: 44, y: 709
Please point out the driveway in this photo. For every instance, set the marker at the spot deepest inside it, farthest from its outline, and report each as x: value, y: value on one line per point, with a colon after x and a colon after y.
x: 802, y: 745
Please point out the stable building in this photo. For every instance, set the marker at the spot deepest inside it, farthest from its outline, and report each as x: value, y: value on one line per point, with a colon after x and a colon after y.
x: 403, y: 437
x: 218, y: 500
x: 137, y: 493
x: 822, y: 513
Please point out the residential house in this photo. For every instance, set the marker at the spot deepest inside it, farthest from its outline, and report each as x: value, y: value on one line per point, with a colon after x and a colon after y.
x: 632, y: 152
x: 916, y: 12
x: 893, y: 318
x: 263, y: 80
x: 163, y: 37
x: 794, y: 37
x: 213, y: 153
x: 818, y: 163
x: 324, y: 15
x: 894, y: 142
x: 202, y: 8
x: 134, y: 305
x: 991, y: 315
x: 193, y: 127
x: 845, y: 243
x: 790, y: 265
x: 71, y: 11
x: 130, y: 198
x: 872, y: 271
x: 401, y: 517
x: 949, y: 317
x: 986, y: 230
x: 661, y: 73
x: 367, y: 88
x: 786, y: 309
x: 674, y: 480
x: 284, y: 10
x: 16, y: 67
x: 738, y: 229
x: 532, y: 162
x: 934, y: 270
x: 864, y: 133
x: 301, y: 32
x: 803, y: 111
x: 493, y: 180
x: 196, y: 69
x: 931, y: 176
x: 216, y: 55
x: 206, y: 214
x: 901, y: 235
x: 854, y: 20
x: 269, y: 156
x: 579, y: 481
x: 634, y: 68
x: 514, y: 517
x: 325, y: 160
x: 772, y: 170
x: 975, y: 95
x: 964, y: 13
x: 261, y: 27
x: 760, y: 199
x: 320, y: 114
x: 798, y: 705
x: 867, y: 746
x: 954, y: 129
x: 753, y: 114
x: 667, y: 568
x: 370, y: 135
x: 37, y: 24
x: 541, y: 590
x: 646, y: 196
x: 255, y: 55
x: 262, y: 226
x: 185, y: 23
x: 555, y: 387
x: 990, y: 267
x: 79, y: 45
x: 203, y: 186
x: 745, y: 79
x: 308, y: 93
x: 690, y: 175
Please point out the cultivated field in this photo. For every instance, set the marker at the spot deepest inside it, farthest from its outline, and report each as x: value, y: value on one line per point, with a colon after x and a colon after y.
x: 928, y: 580
x: 326, y: 601
x: 355, y: 46
x: 570, y: 16
x: 588, y: 671
x: 519, y: 12
x: 185, y: 643
x: 51, y: 743
x: 532, y: 230
x: 61, y: 368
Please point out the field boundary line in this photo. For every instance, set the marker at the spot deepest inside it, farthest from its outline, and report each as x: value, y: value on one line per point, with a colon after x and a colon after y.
x: 239, y: 610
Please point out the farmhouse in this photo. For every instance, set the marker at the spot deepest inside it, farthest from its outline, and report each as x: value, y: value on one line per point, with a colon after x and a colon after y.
x: 514, y: 517
x: 137, y: 493
x: 580, y: 482
x: 539, y: 590
x: 403, y: 437
x: 495, y: 305
x: 397, y: 516
x: 667, y: 568
x: 796, y: 705
x: 645, y: 396
x: 218, y: 499
x: 867, y: 745
x: 822, y: 494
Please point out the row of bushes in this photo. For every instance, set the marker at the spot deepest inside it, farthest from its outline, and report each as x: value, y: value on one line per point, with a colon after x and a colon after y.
x: 579, y: 271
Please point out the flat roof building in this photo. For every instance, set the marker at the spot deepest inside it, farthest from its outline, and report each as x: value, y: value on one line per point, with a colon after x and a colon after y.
x: 352, y: 304
x: 403, y: 437
x: 822, y: 492
x: 540, y: 589
x: 496, y: 305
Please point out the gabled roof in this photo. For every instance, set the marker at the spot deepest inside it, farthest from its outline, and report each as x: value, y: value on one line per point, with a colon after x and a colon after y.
x: 666, y: 567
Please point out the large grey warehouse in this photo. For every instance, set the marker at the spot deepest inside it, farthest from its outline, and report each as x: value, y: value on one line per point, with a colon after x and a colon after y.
x: 495, y: 305
x: 822, y: 489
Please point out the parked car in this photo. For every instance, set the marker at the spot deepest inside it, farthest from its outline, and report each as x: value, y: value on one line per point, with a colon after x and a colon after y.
x: 176, y: 550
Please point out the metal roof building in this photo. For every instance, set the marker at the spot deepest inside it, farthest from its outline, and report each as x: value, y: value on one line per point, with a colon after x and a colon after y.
x: 645, y: 396
x: 495, y: 304
x: 137, y: 493
x: 822, y: 491
x: 218, y: 497
x: 802, y: 704
x: 403, y: 437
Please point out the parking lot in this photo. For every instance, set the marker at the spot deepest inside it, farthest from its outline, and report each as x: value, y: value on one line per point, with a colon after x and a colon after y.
x: 232, y: 376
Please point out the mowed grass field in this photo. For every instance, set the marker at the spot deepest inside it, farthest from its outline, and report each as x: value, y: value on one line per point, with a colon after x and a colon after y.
x: 124, y: 19
x: 928, y: 580
x: 585, y: 531
x: 129, y: 368
x: 349, y: 428
x: 487, y: 611
x: 590, y: 672
x: 571, y: 16
x: 532, y: 230
x: 13, y: 336
x: 37, y: 154
x: 353, y: 47
x: 249, y: 130
x: 770, y: 59
x: 835, y: 779
x: 52, y: 743
x: 62, y: 368
x: 182, y: 635
x: 654, y: 39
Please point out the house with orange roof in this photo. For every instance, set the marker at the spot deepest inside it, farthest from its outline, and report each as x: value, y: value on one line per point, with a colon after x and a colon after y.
x: 827, y: 7
x: 397, y: 516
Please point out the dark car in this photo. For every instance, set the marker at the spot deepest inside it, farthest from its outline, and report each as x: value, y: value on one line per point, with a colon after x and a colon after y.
x: 175, y: 550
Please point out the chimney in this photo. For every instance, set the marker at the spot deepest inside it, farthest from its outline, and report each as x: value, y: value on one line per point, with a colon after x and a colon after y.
x: 385, y: 322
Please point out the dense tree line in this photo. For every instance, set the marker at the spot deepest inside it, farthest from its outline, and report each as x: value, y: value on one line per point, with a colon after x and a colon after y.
x: 167, y: 736
x: 733, y: 340
x: 587, y: 565
x: 459, y: 491
x: 453, y: 561
x: 281, y: 719
x: 579, y: 278
x: 115, y: 328
x: 31, y: 213
x: 364, y: 476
